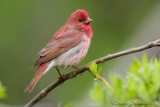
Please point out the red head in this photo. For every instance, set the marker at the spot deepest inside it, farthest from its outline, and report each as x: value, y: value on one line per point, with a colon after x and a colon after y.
x: 81, y: 21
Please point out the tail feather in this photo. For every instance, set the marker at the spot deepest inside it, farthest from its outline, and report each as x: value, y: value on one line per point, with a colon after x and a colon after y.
x: 37, y: 76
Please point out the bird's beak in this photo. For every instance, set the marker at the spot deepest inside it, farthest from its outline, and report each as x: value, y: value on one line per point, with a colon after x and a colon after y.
x: 88, y: 20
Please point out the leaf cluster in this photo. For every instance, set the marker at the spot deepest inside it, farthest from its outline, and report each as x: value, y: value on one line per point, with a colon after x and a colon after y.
x: 140, y: 87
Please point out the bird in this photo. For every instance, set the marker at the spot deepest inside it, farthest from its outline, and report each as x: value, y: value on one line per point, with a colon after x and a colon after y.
x: 68, y: 46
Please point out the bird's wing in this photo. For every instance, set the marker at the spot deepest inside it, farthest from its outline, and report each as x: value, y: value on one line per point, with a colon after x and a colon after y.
x: 58, y: 46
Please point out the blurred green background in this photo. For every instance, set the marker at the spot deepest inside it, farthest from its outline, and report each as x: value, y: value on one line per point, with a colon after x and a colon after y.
x: 27, y: 26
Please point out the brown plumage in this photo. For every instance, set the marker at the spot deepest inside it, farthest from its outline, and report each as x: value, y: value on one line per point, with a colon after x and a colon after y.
x: 58, y: 46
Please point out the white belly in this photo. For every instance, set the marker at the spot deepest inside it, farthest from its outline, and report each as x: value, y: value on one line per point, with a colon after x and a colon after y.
x: 72, y: 56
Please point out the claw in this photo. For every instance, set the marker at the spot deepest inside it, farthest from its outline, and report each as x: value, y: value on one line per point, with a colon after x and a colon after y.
x: 74, y: 72
x: 62, y: 76
x: 75, y: 69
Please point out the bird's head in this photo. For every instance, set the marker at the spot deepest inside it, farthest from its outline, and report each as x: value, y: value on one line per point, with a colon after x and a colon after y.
x: 81, y: 21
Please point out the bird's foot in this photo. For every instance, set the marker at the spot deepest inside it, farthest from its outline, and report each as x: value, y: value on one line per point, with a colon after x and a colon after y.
x: 74, y: 72
x: 60, y: 75
x: 75, y: 67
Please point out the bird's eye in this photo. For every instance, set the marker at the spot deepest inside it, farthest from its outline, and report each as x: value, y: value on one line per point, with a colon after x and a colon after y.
x: 80, y: 20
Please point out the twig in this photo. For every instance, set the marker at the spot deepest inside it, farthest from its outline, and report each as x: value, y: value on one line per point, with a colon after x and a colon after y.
x: 107, y: 85
x: 71, y: 75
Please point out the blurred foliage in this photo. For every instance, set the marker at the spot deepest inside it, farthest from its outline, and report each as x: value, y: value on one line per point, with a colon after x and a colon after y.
x: 2, y: 95
x: 68, y: 105
x: 2, y: 91
x: 27, y: 26
x: 98, y: 95
x: 141, y: 87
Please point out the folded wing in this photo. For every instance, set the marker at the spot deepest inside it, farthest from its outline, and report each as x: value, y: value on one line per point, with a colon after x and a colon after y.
x: 58, y: 46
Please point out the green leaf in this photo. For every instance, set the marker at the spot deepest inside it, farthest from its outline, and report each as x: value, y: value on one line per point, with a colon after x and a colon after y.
x: 99, y: 70
x: 98, y: 94
x: 93, y: 67
x: 135, y: 67
x: 2, y: 91
x: 144, y: 59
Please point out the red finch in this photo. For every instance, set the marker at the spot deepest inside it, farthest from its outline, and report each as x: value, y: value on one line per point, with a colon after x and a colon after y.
x: 67, y: 48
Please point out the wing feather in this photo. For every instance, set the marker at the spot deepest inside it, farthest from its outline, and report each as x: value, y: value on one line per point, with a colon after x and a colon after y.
x: 58, y: 46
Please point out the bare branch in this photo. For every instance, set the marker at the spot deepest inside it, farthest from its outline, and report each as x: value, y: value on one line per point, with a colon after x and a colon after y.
x: 71, y: 75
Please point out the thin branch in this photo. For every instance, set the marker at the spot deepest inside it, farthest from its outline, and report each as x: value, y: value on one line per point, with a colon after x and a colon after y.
x: 71, y: 75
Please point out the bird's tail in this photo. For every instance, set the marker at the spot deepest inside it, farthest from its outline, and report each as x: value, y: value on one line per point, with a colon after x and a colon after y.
x: 37, y: 76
